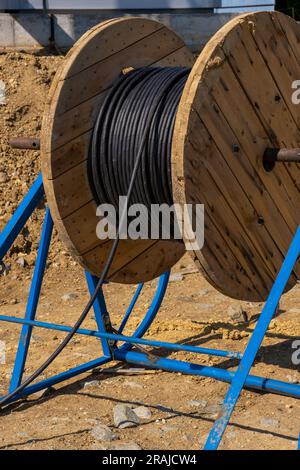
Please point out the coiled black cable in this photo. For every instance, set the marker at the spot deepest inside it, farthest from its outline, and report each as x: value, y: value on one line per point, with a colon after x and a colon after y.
x: 118, y: 132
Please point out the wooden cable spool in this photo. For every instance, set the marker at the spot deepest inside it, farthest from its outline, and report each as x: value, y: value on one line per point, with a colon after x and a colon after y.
x: 235, y: 105
x: 90, y: 68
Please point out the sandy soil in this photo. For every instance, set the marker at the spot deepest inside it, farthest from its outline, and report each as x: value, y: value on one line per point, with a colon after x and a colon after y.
x: 192, y: 313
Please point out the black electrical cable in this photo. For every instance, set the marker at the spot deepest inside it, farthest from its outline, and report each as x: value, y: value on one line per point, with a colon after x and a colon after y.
x: 154, y: 107
x: 119, y: 130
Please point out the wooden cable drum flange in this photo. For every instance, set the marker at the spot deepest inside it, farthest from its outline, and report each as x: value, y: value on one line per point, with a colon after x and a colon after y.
x: 235, y: 105
x: 238, y: 102
x: 79, y: 88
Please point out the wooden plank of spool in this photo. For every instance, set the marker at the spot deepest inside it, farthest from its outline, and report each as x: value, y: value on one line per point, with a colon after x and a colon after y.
x: 234, y: 106
x: 272, y: 110
x: 78, y: 89
x: 283, y: 65
x: 224, y: 207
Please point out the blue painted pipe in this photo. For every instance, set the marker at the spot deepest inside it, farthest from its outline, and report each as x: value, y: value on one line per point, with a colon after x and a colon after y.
x: 32, y: 302
x: 130, y: 308
x: 128, y: 339
x: 173, y: 365
x: 241, y: 374
x: 21, y: 215
x: 55, y: 379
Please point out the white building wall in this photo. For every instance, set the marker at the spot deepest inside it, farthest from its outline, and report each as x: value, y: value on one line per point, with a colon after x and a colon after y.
x: 219, y: 6
x: 33, y: 27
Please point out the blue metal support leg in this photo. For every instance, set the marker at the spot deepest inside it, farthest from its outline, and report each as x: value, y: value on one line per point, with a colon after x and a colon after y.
x: 20, y: 217
x: 109, y: 337
x: 256, y: 339
x: 33, y: 300
x: 7, y: 237
x: 131, y: 307
x: 100, y: 312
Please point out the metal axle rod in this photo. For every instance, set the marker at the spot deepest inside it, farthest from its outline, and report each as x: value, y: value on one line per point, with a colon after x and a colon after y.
x: 283, y: 155
x: 30, y: 143
x: 270, y: 157
x: 273, y: 156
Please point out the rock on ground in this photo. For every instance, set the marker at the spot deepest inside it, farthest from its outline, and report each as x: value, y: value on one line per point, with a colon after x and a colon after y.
x: 269, y: 422
x: 125, y: 417
x: 68, y: 297
x: 143, y: 412
x: 101, y: 432
x: 125, y: 446
x: 91, y: 383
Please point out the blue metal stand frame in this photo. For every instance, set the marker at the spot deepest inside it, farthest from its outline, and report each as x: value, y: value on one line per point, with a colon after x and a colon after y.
x: 109, y: 341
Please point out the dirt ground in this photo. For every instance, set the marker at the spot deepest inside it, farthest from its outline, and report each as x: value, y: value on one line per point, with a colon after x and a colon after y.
x: 183, y: 408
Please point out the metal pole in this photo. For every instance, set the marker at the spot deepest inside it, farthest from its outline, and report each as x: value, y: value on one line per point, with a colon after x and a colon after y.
x: 240, y: 376
x: 56, y: 379
x: 129, y: 340
x: 20, y: 217
x: 33, y: 300
x: 272, y: 156
x: 130, y: 308
x: 173, y: 365
x: 30, y: 143
x: 100, y: 312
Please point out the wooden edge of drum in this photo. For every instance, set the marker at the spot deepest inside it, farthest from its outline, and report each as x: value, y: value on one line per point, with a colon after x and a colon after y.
x: 77, y: 91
